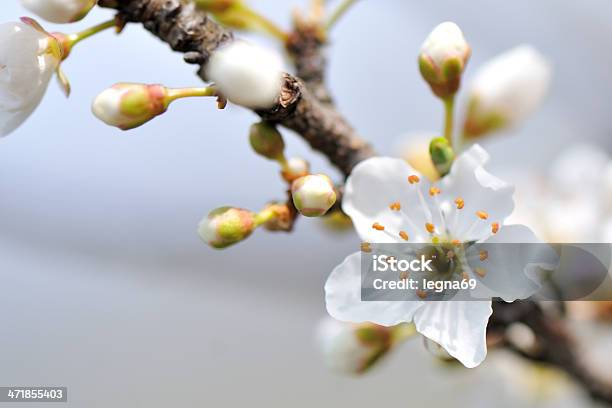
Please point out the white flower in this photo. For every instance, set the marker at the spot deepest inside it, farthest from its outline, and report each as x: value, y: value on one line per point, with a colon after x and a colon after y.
x: 443, y: 58
x: 28, y: 59
x: 313, y: 195
x: 389, y: 202
x: 572, y: 202
x: 506, y: 90
x: 246, y: 75
x: 350, y: 348
x: 127, y: 106
x: 59, y: 11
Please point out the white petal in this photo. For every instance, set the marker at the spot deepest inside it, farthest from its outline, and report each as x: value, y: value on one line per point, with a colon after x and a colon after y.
x: 480, y: 190
x: 459, y: 327
x: 376, y: 183
x: 58, y: 11
x: 343, y: 298
x: 515, y: 259
x: 246, y: 74
x: 25, y: 72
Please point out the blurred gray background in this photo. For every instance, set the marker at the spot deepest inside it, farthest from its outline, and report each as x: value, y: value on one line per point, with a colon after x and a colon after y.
x: 105, y: 285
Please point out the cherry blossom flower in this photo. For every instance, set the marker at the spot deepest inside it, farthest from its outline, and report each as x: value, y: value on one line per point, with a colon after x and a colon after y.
x: 389, y: 202
x: 28, y: 58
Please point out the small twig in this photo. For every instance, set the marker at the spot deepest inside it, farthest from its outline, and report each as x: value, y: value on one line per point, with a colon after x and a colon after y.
x: 337, y: 14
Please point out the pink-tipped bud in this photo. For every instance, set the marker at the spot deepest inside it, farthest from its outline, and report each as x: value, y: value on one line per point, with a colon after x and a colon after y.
x: 226, y: 226
x: 313, y: 195
x: 128, y: 106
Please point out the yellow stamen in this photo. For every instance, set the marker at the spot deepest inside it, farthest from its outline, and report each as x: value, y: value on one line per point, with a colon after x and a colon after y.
x: 495, y: 227
x: 456, y: 242
x: 413, y: 179
x: 484, y: 255
x: 460, y: 203
x: 435, y: 240
x: 396, y: 206
x: 404, y: 235
x: 378, y: 227
x: 480, y: 272
x: 483, y: 215
x: 434, y: 191
x: 365, y: 247
x: 430, y: 228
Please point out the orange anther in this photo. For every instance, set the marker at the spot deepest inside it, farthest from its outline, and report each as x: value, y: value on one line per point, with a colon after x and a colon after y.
x: 484, y: 255
x: 396, y: 206
x: 483, y: 215
x: 403, y: 235
x: 413, y: 179
x: 434, y: 191
x: 459, y: 203
x: 495, y: 227
x: 430, y: 228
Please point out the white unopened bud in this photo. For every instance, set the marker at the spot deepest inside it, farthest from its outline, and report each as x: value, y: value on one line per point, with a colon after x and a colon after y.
x: 246, y: 75
x: 59, y: 11
x: 313, y: 195
x: 506, y: 90
x: 127, y: 106
x: 295, y: 168
x: 226, y: 226
x: 350, y: 348
x: 443, y: 58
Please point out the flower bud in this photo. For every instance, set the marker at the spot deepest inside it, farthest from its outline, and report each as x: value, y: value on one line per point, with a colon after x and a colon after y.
x: 442, y: 155
x: 226, y: 226
x: 267, y: 141
x: 353, y: 348
x: 128, y: 106
x: 313, y: 195
x: 506, y: 90
x: 246, y: 75
x: 295, y: 168
x: 443, y: 58
x: 59, y: 11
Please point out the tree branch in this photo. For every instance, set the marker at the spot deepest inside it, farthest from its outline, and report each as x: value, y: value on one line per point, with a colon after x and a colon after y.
x: 305, y: 106
x: 188, y: 30
x: 555, y: 345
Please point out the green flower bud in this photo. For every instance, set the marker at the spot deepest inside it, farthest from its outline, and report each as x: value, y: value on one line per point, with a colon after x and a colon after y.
x: 313, y: 195
x: 267, y: 141
x: 226, y: 226
x: 442, y: 155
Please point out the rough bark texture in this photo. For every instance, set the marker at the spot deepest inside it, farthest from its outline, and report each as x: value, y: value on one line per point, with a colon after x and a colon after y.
x: 190, y: 31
